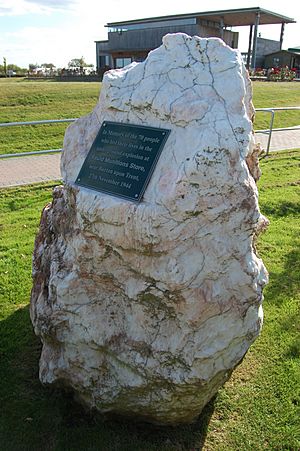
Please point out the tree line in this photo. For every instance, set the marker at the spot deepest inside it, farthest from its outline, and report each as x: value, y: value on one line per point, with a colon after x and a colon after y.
x: 9, y: 70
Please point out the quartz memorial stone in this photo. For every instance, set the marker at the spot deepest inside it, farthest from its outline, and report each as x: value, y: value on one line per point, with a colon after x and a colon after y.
x: 145, y: 308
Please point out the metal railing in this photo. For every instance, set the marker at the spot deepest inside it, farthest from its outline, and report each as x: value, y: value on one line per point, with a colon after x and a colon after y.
x: 269, y: 131
x: 48, y: 121
x: 35, y: 152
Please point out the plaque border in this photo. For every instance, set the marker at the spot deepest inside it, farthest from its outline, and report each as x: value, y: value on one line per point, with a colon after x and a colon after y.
x: 152, y: 168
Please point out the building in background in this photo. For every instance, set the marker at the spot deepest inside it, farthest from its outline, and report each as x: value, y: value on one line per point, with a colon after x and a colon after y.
x: 132, y: 40
x: 263, y: 48
x: 283, y: 58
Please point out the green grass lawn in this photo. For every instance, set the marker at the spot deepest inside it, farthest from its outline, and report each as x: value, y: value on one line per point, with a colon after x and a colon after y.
x: 276, y: 94
x: 257, y: 409
x: 23, y: 100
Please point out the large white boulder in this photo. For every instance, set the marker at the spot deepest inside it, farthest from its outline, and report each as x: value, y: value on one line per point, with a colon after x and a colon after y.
x: 145, y: 309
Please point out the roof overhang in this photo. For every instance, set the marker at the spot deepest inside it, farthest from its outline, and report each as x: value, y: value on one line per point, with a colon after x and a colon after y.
x: 284, y: 51
x: 230, y: 17
x: 294, y: 49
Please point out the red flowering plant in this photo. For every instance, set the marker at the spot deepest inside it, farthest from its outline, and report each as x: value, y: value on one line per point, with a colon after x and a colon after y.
x: 259, y: 72
x: 281, y: 74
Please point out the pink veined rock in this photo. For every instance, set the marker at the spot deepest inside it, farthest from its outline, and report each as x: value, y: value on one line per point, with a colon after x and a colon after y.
x: 145, y: 309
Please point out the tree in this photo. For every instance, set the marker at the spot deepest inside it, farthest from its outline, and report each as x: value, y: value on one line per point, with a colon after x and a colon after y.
x: 33, y: 66
x: 9, y: 69
x: 77, y: 62
x: 48, y: 65
x: 14, y: 68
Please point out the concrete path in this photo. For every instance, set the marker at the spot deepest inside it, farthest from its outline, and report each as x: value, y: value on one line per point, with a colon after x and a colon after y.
x: 41, y: 168
x: 17, y: 171
x: 287, y: 139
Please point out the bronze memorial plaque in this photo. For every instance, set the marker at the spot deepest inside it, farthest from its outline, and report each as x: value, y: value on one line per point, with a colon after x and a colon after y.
x: 122, y: 159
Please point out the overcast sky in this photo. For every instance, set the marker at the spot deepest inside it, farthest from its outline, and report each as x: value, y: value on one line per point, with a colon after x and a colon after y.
x: 54, y: 31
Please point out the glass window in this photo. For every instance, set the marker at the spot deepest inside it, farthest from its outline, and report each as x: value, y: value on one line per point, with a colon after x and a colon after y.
x: 139, y: 59
x: 122, y: 62
x: 104, y: 60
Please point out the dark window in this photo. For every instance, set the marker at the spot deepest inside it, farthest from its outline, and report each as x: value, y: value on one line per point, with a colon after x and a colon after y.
x: 122, y: 62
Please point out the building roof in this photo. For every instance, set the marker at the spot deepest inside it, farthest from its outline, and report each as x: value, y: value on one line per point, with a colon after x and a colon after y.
x: 294, y: 49
x: 231, y: 17
x: 284, y: 51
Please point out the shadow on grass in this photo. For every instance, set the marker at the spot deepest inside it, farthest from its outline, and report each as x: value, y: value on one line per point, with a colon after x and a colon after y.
x: 33, y: 417
x: 287, y: 282
x: 280, y: 209
x: 284, y: 287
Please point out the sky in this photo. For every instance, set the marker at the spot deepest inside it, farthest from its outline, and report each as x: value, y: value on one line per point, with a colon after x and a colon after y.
x: 54, y: 31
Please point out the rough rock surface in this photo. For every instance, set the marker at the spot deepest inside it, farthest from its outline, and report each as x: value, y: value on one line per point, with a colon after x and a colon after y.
x: 145, y: 309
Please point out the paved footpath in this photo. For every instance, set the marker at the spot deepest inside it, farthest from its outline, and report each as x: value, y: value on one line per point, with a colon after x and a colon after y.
x: 287, y: 139
x: 17, y: 171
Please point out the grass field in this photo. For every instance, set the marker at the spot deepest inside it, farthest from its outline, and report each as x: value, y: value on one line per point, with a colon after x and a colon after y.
x: 23, y: 100
x: 258, y: 409
x: 266, y: 95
